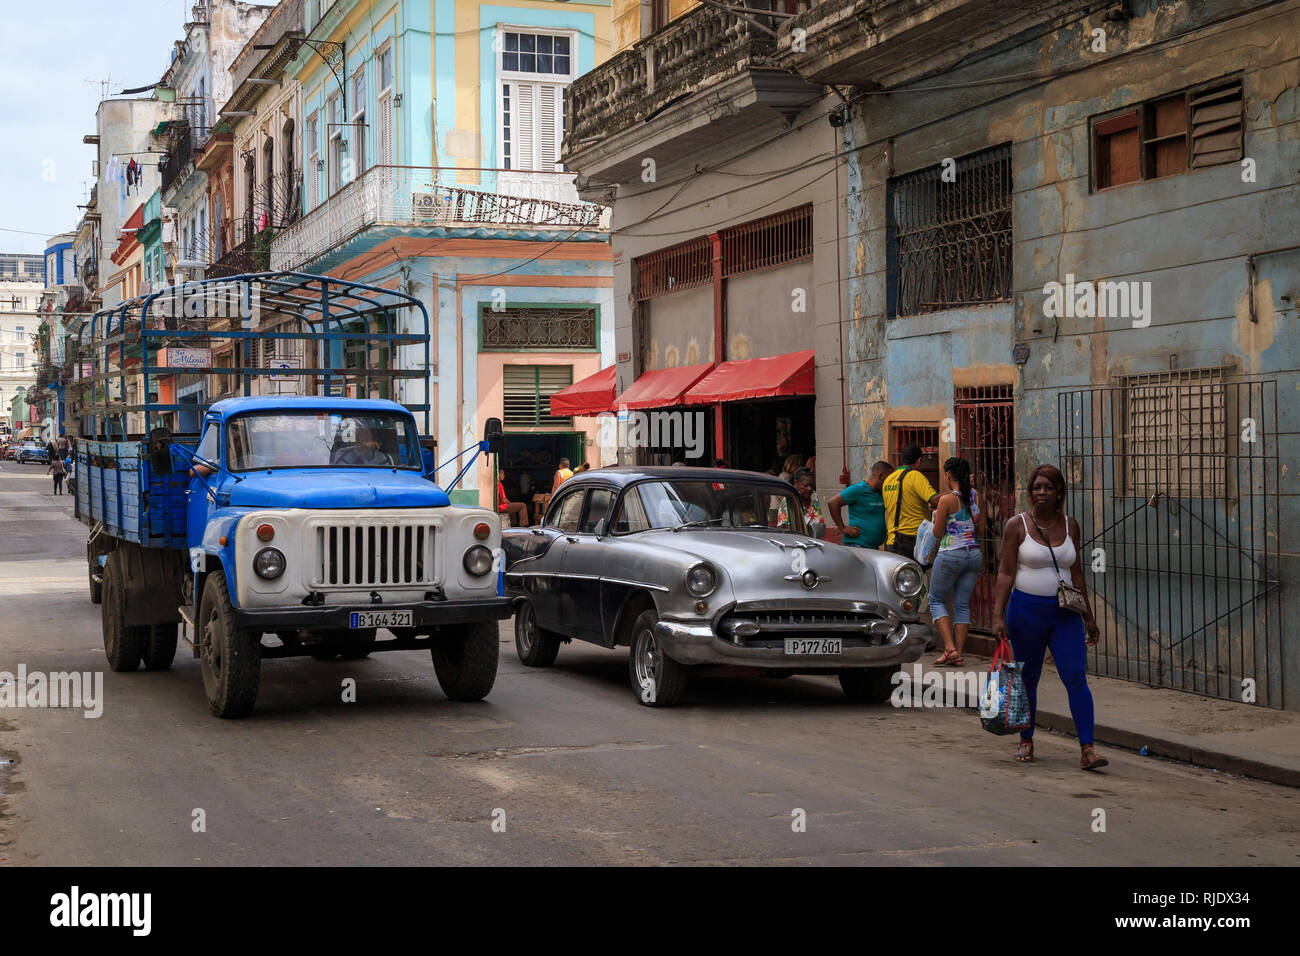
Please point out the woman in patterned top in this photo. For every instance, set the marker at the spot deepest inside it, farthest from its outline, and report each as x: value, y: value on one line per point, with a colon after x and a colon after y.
x: 957, y: 564
x: 804, y: 482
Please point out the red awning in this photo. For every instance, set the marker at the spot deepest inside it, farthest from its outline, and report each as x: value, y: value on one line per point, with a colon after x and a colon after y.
x: 590, y: 396
x: 790, y: 374
x: 662, y: 387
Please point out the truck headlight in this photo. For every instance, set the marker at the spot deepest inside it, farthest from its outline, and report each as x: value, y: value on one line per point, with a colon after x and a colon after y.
x: 478, y: 560
x: 701, y: 581
x: 268, y: 563
x: 908, y: 580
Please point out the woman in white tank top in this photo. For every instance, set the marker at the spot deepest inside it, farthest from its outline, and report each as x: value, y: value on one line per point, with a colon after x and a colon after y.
x: 1040, y: 549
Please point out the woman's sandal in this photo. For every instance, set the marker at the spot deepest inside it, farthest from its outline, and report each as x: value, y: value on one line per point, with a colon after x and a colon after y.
x: 955, y: 661
x: 944, y: 658
x: 1089, y: 759
x: 1025, y: 752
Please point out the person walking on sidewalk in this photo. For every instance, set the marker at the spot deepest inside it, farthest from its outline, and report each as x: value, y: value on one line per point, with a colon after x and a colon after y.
x: 1040, y: 566
x: 957, y: 559
x: 909, y: 499
x: 58, y: 470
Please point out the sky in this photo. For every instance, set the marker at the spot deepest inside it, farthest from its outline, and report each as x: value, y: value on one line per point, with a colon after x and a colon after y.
x: 54, y: 55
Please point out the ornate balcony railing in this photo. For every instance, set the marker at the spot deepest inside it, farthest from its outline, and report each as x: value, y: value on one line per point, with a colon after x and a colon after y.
x: 700, y: 49
x: 414, y: 196
x: 180, y: 155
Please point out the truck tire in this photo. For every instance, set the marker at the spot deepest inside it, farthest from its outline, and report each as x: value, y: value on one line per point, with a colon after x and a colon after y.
x: 159, y: 647
x: 123, y: 645
x: 535, y: 645
x: 657, y: 679
x: 359, y: 648
x: 230, y: 657
x: 465, y: 659
x: 870, y: 685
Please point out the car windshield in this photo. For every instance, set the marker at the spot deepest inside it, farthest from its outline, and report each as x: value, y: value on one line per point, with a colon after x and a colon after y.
x: 321, y: 439
x: 709, y: 503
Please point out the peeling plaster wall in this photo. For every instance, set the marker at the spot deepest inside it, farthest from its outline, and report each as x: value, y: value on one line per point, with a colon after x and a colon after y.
x: 1188, y: 235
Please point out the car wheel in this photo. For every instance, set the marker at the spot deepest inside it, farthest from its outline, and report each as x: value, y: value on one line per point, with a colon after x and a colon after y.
x: 123, y: 644
x: 657, y: 679
x: 535, y: 645
x: 465, y: 659
x: 230, y: 657
x: 870, y: 685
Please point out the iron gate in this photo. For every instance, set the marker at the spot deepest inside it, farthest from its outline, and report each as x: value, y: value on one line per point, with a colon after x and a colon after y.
x: 986, y: 439
x: 1173, y: 478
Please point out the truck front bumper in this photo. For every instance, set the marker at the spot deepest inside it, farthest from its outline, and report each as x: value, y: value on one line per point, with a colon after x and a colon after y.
x: 424, y: 614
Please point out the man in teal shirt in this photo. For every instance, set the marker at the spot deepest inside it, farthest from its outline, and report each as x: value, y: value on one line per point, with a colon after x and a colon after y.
x: 866, y: 527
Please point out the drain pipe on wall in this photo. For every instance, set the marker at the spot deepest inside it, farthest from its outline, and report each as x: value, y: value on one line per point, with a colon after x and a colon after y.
x: 839, y: 291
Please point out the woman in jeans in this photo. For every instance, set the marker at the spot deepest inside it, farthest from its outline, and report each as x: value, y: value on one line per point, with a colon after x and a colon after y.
x: 1026, y: 607
x: 957, y: 563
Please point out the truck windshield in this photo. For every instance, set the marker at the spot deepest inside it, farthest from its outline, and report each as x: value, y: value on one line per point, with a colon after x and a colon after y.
x: 321, y: 439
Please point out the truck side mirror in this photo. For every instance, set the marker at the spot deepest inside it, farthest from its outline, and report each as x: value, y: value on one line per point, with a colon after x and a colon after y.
x: 493, y: 435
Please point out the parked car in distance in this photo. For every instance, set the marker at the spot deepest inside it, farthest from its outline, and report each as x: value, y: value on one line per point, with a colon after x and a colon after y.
x: 31, y: 451
x: 692, y: 568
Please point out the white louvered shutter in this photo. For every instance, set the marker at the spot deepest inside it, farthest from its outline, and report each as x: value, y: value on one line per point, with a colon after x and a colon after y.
x: 549, y: 104
x: 386, y: 129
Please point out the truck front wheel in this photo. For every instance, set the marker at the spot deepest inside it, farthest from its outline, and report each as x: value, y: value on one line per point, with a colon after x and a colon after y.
x: 123, y: 644
x: 465, y: 659
x: 230, y: 657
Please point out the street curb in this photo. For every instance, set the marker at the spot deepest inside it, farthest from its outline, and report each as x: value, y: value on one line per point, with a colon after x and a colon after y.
x: 1164, y: 743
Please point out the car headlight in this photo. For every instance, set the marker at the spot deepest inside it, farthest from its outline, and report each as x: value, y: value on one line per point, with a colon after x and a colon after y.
x: 268, y: 563
x: 701, y: 581
x: 478, y: 560
x: 908, y: 580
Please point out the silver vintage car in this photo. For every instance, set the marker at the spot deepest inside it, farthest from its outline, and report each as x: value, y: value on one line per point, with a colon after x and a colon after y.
x: 707, y: 567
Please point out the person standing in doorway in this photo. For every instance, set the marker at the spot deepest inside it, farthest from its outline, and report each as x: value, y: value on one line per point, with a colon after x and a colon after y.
x: 562, y: 474
x: 866, y: 527
x: 1040, y: 553
x: 58, y: 470
x: 956, y: 561
x: 909, y: 499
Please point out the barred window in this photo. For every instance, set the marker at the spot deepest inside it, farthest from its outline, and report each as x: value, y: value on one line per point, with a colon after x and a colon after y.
x: 769, y: 242
x: 949, y: 242
x: 527, y: 394
x: 538, y: 328
x: 1175, y: 436
x: 679, y: 267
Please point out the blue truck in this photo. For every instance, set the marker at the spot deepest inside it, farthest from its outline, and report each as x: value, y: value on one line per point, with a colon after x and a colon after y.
x: 277, y: 525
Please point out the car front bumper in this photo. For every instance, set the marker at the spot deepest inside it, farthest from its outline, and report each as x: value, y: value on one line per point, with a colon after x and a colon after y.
x: 698, y: 644
x: 424, y: 614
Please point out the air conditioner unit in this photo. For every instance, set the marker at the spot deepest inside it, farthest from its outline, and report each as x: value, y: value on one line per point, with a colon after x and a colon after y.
x: 430, y: 207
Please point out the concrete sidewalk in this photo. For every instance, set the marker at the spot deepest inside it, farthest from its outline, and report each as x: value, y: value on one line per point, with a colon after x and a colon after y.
x: 1245, y: 739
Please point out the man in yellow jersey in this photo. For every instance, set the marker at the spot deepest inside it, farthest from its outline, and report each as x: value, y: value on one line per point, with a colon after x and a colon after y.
x: 909, y: 499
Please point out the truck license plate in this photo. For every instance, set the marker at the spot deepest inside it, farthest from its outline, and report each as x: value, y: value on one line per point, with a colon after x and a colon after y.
x: 813, y: 645
x: 368, y: 619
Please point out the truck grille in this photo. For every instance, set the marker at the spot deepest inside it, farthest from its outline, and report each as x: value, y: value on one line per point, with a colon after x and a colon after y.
x: 370, y: 555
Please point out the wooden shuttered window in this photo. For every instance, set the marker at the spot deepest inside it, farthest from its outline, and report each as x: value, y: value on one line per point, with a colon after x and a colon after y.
x: 1216, y: 124
x: 532, y: 125
x: 527, y: 391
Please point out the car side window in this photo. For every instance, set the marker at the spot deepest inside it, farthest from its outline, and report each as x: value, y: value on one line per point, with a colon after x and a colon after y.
x: 597, y: 509
x: 631, y: 514
x: 208, y: 445
x: 568, y: 511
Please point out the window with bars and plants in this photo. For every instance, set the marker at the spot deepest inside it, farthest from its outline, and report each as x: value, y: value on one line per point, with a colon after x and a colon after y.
x: 526, y: 395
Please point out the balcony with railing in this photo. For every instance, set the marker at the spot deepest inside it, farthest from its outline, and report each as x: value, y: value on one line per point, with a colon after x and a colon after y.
x: 388, y: 201
x: 180, y: 156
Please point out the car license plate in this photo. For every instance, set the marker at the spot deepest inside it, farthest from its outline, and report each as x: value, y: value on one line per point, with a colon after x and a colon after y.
x: 813, y: 645
x: 368, y: 619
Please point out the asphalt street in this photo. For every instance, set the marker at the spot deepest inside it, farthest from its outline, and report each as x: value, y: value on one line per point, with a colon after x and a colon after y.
x: 576, y: 770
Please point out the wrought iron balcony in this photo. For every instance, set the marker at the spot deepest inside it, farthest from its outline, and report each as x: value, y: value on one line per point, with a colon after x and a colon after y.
x: 180, y: 156
x: 415, y: 198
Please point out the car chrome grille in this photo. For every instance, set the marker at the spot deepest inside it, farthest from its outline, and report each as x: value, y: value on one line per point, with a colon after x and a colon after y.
x: 762, y: 628
x: 374, y: 555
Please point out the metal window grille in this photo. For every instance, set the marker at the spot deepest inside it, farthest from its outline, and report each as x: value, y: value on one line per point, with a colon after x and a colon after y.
x: 950, y: 242
x: 527, y: 391
x: 1175, y: 436
x: 928, y: 438
x: 550, y: 330
x: 986, y: 438
x: 1185, y: 588
x: 771, y: 241
x: 683, y: 266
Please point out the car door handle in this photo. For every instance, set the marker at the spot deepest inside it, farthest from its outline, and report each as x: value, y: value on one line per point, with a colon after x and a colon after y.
x: 570, y: 540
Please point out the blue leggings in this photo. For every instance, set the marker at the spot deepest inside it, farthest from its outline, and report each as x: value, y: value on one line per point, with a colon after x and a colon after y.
x: 1034, y: 624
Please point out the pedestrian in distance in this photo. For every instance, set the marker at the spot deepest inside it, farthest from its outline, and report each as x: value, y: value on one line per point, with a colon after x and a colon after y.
x: 957, y: 560
x: 909, y: 499
x: 59, y: 471
x: 866, y: 527
x: 1042, y: 603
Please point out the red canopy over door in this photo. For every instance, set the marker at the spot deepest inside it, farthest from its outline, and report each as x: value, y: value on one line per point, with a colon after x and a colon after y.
x: 776, y: 375
x: 589, y: 396
x: 663, y: 387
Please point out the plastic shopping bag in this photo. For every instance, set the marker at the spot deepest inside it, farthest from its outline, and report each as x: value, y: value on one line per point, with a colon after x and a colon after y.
x: 925, y: 544
x: 1004, y: 703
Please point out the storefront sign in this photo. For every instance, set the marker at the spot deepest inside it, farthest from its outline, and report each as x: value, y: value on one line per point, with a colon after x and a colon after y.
x: 184, y: 358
